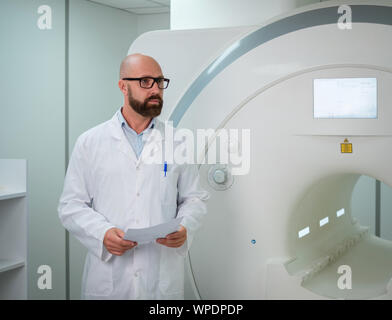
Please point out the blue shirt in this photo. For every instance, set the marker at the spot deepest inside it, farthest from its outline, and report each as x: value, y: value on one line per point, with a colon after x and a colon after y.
x: 135, y: 140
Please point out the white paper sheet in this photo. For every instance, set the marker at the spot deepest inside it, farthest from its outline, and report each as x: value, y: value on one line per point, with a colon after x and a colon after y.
x: 145, y: 235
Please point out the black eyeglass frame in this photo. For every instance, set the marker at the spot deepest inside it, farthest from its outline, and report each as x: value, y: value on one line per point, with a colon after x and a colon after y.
x: 166, y: 81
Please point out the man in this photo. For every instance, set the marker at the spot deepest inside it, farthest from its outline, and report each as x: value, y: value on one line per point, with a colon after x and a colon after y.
x: 112, y: 185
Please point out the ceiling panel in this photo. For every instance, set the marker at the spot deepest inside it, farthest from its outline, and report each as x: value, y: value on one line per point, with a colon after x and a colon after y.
x: 150, y: 10
x: 138, y: 6
x: 164, y: 2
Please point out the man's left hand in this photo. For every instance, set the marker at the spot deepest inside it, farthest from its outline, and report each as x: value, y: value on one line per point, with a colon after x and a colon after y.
x: 175, y: 239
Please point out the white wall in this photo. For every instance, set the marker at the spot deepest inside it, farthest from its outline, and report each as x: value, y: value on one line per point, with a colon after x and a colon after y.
x: 386, y: 212
x: 195, y: 14
x: 149, y: 22
x: 363, y: 203
x: 32, y: 127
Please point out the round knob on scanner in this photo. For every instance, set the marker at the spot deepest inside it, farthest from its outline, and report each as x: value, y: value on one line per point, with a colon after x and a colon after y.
x: 219, y: 176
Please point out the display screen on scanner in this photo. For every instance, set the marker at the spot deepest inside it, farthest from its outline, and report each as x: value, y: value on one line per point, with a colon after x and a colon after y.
x: 345, y: 98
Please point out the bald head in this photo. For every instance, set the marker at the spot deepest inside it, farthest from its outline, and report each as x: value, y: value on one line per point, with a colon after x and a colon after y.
x: 136, y: 64
x: 144, y: 101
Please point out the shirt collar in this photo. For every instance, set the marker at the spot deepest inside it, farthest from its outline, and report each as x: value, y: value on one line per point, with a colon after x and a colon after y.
x: 124, y: 123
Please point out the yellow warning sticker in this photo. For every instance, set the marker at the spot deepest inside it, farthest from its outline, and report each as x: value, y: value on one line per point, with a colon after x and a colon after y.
x: 346, y: 147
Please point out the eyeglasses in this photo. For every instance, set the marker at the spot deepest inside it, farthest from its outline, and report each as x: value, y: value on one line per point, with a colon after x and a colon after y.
x: 148, y: 82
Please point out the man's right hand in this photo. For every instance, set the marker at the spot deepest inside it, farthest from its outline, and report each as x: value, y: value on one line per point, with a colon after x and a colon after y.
x: 114, y: 242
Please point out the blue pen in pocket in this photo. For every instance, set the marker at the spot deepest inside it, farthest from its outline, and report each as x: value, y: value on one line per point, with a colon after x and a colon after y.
x: 165, y: 168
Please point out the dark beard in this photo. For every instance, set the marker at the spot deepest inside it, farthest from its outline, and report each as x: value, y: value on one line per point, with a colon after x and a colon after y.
x: 143, y: 109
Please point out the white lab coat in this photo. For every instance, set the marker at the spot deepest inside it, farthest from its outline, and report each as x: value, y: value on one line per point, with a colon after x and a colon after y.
x: 107, y: 186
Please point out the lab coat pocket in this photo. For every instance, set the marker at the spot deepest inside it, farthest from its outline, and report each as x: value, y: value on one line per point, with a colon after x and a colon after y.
x: 171, y: 275
x: 168, y: 188
x: 99, y: 280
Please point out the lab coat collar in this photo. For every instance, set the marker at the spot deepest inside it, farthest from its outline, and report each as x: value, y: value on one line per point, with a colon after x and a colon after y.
x: 154, y: 139
x: 128, y: 128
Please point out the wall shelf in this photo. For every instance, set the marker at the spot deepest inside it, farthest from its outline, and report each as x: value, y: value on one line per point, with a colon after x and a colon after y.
x: 13, y: 229
x: 11, y: 194
x: 6, y: 265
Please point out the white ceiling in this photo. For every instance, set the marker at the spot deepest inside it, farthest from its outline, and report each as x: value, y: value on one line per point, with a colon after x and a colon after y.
x: 138, y: 6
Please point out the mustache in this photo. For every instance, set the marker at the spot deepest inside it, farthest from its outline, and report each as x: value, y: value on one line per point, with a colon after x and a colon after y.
x: 154, y: 97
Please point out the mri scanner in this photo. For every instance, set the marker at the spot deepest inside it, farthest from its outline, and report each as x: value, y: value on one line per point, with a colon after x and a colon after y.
x: 317, y: 101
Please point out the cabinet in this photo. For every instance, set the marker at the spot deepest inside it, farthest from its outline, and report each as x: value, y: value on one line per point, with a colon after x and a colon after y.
x: 13, y: 229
